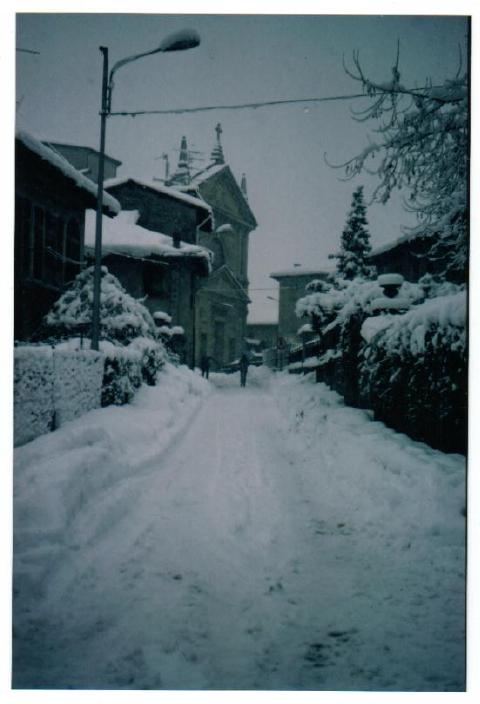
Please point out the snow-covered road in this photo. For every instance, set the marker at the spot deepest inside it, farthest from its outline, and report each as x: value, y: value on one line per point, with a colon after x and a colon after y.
x: 282, y: 541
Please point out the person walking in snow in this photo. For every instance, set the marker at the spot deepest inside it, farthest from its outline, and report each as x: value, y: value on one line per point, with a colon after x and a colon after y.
x: 205, y: 366
x: 244, y: 362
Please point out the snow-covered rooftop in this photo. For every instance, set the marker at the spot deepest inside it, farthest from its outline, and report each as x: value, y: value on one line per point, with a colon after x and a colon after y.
x: 122, y: 235
x: 202, y: 176
x: 57, y: 160
x: 298, y: 271
x: 157, y: 186
x: 73, y: 145
x: 400, y: 240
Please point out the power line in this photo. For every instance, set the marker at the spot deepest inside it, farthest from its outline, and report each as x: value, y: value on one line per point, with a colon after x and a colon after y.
x: 248, y: 106
x: 239, y: 106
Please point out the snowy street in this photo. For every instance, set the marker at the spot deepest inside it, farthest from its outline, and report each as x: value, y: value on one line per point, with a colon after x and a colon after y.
x: 263, y: 538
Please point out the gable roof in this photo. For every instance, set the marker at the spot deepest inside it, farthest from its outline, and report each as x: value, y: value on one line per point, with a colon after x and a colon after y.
x: 224, y: 272
x: 159, y: 188
x: 122, y: 235
x: 80, y: 147
x: 404, y: 239
x: 216, y: 173
x: 70, y: 172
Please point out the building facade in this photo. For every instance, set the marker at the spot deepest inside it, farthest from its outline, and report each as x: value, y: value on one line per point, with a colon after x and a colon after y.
x: 51, y: 197
x: 154, y: 268
x: 265, y: 333
x: 408, y: 256
x: 222, y: 299
x: 292, y: 285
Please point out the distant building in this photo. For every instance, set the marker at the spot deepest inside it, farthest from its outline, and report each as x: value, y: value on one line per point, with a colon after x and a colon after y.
x: 408, y: 256
x: 163, y: 209
x: 51, y: 197
x: 265, y: 333
x: 152, y: 266
x: 222, y: 299
x: 171, y: 285
x: 85, y: 159
x: 292, y: 287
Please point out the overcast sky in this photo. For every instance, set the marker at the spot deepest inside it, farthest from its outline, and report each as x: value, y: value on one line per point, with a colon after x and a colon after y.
x: 298, y: 200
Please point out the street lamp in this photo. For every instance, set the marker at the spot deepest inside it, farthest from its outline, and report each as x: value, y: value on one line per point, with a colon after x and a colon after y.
x: 178, y: 41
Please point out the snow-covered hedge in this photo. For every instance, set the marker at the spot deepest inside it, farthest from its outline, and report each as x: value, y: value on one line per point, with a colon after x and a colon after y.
x: 413, y: 372
x: 410, y: 367
x: 53, y: 386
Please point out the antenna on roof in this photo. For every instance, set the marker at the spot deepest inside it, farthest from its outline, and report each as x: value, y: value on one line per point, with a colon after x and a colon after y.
x: 164, y: 156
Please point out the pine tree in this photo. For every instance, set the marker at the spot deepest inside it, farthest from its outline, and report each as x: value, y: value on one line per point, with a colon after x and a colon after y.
x: 355, y: 242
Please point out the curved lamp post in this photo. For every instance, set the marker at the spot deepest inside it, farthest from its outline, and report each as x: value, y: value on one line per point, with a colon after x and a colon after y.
x: 178, y: 41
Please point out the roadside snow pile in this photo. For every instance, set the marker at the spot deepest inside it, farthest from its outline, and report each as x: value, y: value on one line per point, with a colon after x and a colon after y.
x: 57, y: 475
x: 417, y: 494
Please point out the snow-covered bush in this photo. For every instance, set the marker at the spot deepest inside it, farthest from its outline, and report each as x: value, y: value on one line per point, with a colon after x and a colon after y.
x: 153, y: 357
x: 133, y: 352
x: 122, y: 374
x: 414, y: 372
x: 122, y: 318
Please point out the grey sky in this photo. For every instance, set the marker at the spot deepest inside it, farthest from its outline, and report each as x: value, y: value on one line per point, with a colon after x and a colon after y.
x: 299, y: 202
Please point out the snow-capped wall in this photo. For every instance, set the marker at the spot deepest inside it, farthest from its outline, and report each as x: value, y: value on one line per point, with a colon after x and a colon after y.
x: 52, y: 387
x: 77, y: 383
x: 33, y: 393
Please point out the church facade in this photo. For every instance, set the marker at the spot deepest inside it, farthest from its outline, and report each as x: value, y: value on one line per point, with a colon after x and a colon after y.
x: 221, y: 300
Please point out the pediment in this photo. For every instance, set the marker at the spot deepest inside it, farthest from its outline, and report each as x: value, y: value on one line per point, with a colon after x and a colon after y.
x: 223, y: 281
x: 221, y: 191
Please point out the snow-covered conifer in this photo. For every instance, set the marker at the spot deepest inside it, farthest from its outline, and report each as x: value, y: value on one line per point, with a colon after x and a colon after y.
x: 122, y: 318
x: 355, y: 242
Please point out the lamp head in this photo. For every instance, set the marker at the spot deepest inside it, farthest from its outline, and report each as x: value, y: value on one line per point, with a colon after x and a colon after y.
x: 180, y: 41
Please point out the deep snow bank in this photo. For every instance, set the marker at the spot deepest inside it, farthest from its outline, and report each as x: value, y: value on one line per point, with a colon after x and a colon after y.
x: 56, y: 475
x: 432, y: 482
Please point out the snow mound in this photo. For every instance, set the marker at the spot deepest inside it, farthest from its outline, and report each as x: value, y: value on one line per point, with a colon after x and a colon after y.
x: 56, y: 474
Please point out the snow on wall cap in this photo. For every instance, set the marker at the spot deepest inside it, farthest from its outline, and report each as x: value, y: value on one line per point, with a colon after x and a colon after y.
x: 59, y: 161
x: 384, y: 303
x: 390, y: 280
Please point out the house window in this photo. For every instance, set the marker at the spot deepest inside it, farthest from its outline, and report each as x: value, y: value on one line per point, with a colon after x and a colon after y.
x: 72, y: 249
